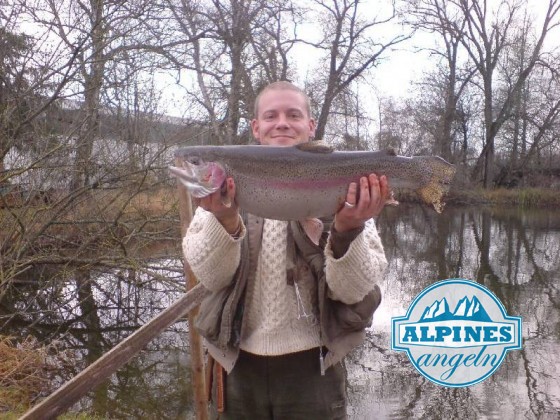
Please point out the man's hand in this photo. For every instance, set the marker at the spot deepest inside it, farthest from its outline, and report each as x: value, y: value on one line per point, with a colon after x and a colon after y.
x: 363, y: 204
x: 222, y: 204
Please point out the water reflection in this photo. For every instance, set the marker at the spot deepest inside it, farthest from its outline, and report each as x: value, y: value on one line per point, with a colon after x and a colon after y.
x: 513, y: 253
x: 89, y: 312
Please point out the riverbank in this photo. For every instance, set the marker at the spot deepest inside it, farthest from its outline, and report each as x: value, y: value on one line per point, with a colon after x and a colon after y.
x: 523, y: 197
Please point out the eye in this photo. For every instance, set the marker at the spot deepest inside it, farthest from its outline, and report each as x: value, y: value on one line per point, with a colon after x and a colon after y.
x: 268, y: 117
x: 194, y: 160
x: 294, y: 115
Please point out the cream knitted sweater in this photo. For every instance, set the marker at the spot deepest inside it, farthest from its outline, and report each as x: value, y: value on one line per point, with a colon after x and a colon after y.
x: 280, y: 318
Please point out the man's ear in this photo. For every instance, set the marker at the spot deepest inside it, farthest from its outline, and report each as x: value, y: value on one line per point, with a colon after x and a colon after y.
x: 312, y: 127
x: 255, y: 128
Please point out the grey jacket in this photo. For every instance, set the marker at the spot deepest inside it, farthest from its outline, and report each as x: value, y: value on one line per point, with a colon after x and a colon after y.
x: 342, y: 326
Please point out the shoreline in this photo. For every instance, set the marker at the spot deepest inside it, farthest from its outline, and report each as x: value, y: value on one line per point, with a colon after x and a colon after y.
x: 544, y: 198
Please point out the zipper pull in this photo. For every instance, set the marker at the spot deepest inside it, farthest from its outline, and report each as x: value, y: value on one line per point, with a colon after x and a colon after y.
x: 321, y: 361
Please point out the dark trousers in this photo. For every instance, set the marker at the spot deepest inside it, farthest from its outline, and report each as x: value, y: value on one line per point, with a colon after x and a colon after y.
x: 284, y: 387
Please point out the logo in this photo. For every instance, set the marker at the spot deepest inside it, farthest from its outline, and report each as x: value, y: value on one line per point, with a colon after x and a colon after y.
x: 456, y: 333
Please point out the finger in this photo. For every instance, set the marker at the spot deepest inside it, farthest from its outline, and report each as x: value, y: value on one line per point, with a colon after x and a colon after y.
x: 375, y: 190
x: 215, y: 200
x: 351, y: 195
x: 365, y: 193
x: 205, y: 203
x: 384, y: 188
x: 228, y: 194
x: 231, y: 188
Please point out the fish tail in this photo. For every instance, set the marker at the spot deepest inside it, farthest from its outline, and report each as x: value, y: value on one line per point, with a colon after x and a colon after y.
x: 432, y: 194
x: 441, y: 174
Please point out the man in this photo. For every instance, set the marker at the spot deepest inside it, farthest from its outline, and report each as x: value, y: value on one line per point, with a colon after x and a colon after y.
x: 281, y: 323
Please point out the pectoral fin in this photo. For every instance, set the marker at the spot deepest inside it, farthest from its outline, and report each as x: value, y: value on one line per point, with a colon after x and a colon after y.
x: 391, y: 201
x: 313, y: 228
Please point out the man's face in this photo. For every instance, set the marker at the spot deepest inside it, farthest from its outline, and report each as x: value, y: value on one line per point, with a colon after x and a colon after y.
x: 282, y: 119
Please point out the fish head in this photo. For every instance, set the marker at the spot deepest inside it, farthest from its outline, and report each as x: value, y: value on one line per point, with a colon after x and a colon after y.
x: 440, y: 174
x: 201, y: 177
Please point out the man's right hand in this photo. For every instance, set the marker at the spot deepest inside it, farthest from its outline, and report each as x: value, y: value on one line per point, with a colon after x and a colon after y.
x: 222, y: 204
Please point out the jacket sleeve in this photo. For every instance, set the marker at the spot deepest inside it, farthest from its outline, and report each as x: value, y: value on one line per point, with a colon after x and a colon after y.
x: 211, y: 252
x: 352, y: 276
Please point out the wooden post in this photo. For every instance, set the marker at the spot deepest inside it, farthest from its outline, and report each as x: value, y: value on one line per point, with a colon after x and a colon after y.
x: 197, y: 356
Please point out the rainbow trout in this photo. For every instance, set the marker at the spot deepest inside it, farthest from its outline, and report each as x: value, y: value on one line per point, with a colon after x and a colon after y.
x: 305, y: 181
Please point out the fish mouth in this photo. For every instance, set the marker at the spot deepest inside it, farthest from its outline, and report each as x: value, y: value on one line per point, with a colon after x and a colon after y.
x: 200, y: 177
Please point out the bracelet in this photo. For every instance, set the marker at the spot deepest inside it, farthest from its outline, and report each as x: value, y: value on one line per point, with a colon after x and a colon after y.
x: 235, y: 235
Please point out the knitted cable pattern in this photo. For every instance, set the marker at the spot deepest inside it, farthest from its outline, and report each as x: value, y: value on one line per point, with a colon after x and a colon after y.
x: 273, y: 322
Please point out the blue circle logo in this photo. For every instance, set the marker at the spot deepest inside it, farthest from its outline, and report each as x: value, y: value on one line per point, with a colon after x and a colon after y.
x: 456, y: 333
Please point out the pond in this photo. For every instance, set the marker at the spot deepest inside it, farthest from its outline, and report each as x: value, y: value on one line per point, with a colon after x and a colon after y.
x: 512, y: 252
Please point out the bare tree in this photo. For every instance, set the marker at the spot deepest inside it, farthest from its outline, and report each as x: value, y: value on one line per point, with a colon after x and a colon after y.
x: 486, y: 38
x: 245, y: 46
x: 77, y: 162
x: 434, y: 16
x: 540, y: 119
x: 401, y: 128
x: 351, y: 45
x: 14, y: 92
x: 532, y: 125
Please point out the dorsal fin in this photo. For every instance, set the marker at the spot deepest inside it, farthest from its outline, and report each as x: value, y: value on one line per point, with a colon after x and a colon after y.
x: 315, y: 146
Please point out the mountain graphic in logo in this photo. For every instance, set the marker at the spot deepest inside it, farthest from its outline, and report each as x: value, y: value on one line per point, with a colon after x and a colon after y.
x: 465, y: 310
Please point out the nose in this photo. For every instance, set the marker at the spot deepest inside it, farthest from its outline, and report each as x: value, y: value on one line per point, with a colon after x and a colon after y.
x: 282, y: 121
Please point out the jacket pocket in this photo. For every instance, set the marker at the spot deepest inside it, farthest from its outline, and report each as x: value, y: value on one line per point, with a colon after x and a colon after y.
x: 357, y: 316
x: 209, y: 319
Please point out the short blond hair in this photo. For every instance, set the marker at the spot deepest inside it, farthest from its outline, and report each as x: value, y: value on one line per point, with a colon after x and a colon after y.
x: 282, y: 85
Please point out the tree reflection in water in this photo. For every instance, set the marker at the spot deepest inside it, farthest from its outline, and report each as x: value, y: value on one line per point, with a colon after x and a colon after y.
x: 90, y: 312
x: 513, y: 253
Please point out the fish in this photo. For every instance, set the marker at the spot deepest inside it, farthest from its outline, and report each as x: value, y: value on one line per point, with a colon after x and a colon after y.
x: 308, y: 180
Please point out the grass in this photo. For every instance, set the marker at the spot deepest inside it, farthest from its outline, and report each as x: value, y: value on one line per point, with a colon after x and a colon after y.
x: 125, y: 212
x: 14, y: 415
x: 25, y: 375
x: 24, y: 372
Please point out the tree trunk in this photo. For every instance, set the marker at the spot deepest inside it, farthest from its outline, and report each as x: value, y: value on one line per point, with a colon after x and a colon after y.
x: 89, y: 132
x: 488, y: 178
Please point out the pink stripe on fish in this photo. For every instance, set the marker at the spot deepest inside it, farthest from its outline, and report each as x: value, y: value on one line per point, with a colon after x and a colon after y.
x: 310, y: 183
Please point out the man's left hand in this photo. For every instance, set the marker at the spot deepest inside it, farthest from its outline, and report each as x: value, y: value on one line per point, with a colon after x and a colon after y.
x: 362, y: 204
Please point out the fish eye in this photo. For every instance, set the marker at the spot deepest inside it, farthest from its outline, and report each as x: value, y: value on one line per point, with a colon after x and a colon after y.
x: 194, y: 160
